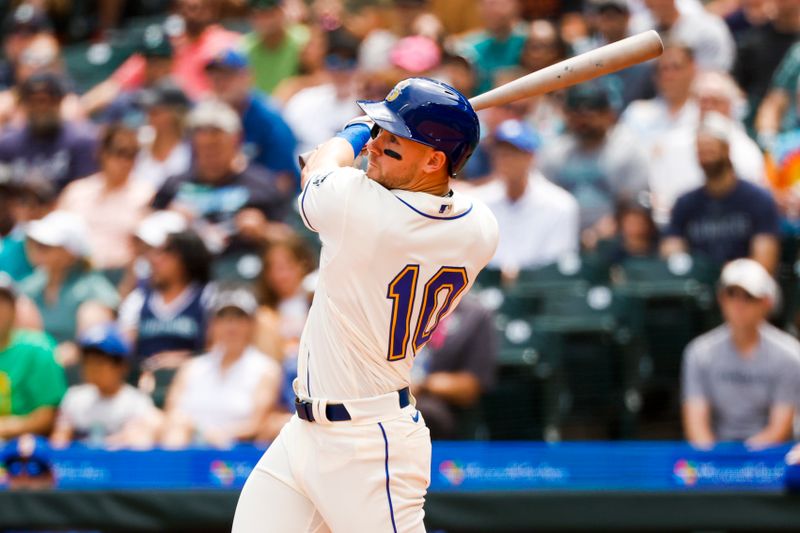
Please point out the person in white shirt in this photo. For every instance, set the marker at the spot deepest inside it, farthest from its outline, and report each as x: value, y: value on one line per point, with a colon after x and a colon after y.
x: 221, y: 397
x: 105, y: 411
x: 706, y: 33
x: 165, y: 152
x: 538, y: 220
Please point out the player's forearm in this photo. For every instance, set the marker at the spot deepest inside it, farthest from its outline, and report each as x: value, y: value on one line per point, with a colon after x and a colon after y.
x: 335, y: 153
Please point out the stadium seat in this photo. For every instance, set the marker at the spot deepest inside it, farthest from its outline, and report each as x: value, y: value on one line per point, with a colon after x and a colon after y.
x: 596, y: 366
x: 523, y: 403
x: 163, y: 380
x: 568, y: 273
x: 665, y: 304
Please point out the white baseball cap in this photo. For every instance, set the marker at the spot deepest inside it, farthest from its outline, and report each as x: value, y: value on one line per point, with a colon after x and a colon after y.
x: 214, y: 114
x: 750, y: 276
x: 156, y: 227
x: 716, y: 125
x: 64, y: 229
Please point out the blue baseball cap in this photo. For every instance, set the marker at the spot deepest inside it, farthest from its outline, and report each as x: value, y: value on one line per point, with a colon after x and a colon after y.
x: 518, y: 134
x: 230, y: 58
x: 107, y: 339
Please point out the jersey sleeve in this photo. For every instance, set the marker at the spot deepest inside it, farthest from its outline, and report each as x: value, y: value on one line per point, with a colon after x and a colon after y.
x: 692, y: 375
x: 324, y: 201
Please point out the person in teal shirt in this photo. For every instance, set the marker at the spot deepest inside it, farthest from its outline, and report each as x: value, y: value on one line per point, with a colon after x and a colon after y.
x: 273, y: 48
x: 31, y: 381
x: 63, y: 283
x: 498, y: 45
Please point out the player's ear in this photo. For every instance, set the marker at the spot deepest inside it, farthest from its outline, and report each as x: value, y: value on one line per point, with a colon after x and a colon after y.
x: 436, y: 162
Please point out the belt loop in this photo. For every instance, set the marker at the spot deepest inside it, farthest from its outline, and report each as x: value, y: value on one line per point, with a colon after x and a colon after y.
x: 319, y: 408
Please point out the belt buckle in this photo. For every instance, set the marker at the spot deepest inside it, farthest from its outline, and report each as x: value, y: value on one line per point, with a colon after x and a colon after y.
x: 307, y: 409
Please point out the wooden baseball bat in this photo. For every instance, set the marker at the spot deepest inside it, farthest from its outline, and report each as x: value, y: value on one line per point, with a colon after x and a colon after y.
x: 584, y: 67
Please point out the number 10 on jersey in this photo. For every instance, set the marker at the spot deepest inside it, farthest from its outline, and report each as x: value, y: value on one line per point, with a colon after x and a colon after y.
x: 402, y: 291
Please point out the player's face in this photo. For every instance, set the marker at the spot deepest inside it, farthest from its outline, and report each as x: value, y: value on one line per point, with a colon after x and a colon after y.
x: 394, y: 161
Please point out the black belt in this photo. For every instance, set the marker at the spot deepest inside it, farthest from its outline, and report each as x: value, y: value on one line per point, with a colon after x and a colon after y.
x: 337, y: 412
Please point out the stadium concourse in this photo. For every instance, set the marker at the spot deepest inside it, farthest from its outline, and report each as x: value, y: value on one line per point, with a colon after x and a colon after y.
x: 641, y: 311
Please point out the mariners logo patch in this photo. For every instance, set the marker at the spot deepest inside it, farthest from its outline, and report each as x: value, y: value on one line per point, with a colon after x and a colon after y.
x: 392, y: 96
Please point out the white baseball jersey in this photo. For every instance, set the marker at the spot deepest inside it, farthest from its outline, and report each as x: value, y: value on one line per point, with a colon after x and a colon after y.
x: 393, y: 264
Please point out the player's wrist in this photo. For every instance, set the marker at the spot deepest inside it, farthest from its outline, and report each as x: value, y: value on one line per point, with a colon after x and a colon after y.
x: 357, y: 134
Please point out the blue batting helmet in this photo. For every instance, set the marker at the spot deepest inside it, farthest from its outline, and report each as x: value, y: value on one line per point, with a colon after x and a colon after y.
x: 432, y: 113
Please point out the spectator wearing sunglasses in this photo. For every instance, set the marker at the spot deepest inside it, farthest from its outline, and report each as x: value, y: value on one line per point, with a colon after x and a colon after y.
x: 741, y: 380
x: 111, y: 202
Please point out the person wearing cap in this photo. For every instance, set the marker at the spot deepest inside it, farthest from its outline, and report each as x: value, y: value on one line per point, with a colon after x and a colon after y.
x: 228, y: 199
x: 741, y: 381
x: 167, y: 153
x: 111, y: 202
x: 164, y: 318
x: 31, y: 381
x: 221, y: 397
x: 48, y: 146
x: 538, y: 220
x: 275, y: 46
x: 596, y: 160
x: 64, y: 286
x: 117, y: 96
x: 20, y: 28
x: 726, y: 218
x: 104, y: 410
x: 267, y: 138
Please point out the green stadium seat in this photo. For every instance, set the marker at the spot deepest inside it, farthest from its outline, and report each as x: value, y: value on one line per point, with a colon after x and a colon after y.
x: 163, y: 380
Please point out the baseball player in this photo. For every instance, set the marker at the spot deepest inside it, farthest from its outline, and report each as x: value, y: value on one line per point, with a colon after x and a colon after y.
x: 399, y: 250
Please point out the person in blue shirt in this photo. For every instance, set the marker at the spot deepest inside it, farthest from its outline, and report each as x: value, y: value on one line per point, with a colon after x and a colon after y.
x: 268, y: 140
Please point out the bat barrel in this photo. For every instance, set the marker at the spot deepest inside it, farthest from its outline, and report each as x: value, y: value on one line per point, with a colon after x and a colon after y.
x: 589, y: 65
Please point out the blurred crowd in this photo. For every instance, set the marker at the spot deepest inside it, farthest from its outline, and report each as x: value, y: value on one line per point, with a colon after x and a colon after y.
x: 155, y: 275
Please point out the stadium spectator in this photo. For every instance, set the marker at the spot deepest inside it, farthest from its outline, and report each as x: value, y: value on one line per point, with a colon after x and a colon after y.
x: 779, y: 110
x: 25, y: 202
x: 20, y: 28
x: 221, y: 397
x: 611, y: 18
x: 104, y: 410
x: 31, y: 382
x: 404, y: 18
x: 41, y: 55
x: 705, y: 33
x: 115, y: 98
x: 64, y: 286
x: 267, y: 138
x: 637, y: 234
x: 498, y: 44
x: 597, y: 161
x: 317, y: 113
x: 456, y: 367
x: 283, y: 296
x: 275, y: 47
x: 165, y: 319
x: 661, y: 121
x: 111, y: 202
x: 47, y: 146
x: 312, y: 62
x: 726, y: 218
x: 228, y: 200
x: 761, y: 49
x: 740, y: 380
x: 201, y: 39
x: 538, y: 220
x: 166, y: 153
x: 151, y: 233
